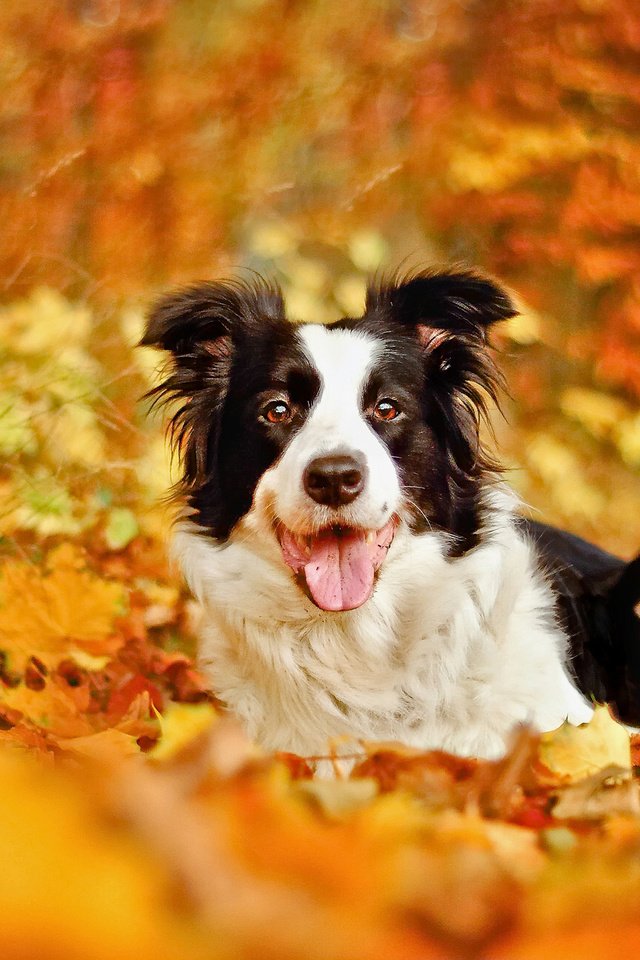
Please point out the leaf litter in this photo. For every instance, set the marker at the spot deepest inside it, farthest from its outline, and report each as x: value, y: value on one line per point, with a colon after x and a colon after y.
x: 137, y: 820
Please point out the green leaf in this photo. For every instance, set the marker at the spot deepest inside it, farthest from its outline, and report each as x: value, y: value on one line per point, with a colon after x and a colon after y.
x: 121, y: 528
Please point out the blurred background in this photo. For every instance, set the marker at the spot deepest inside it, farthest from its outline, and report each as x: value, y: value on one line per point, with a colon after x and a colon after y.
x: 145, y: 143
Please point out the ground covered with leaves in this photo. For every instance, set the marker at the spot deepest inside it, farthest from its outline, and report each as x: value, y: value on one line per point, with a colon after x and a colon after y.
x: 135, y: 818
x: 137, y: 821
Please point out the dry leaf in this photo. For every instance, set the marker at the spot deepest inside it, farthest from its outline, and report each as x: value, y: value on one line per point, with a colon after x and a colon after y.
x: 577, y: 752
x: 611, y: 792
x: 51, y: 613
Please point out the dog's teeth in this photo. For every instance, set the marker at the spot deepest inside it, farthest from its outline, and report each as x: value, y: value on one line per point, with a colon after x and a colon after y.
x: 371, y: 536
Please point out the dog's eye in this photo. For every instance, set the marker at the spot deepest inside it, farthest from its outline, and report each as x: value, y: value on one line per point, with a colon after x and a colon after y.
x: 386, y: 410
x: 277, y: 412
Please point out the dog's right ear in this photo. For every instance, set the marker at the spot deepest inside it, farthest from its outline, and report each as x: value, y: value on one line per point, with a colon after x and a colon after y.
x: 204, y: 320
x: 201, y: 326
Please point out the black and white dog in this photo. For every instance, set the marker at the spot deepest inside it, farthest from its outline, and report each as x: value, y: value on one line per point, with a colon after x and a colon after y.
x: 361, y: 564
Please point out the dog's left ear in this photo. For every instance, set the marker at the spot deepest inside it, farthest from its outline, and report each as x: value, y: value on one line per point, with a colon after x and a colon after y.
x: 449, y: 313
x: 443, y: 303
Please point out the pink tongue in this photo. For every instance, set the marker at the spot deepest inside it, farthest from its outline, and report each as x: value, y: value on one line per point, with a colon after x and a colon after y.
x: 339, y: 565
x: 340, y: 570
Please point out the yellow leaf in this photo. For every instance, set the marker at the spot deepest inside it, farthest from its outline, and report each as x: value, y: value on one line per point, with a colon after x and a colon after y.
x: 45, y: 505
x: 89, y: 661
x: 524, y: 327
x: 181, y: 724
x: 76, y: 436
x: 272, y: 239
x: 627, y: 437
x: 74, y: 885
x: 17, y: 435
x: 367, y: 250
x: 305, y: 306
x: 51, y: 613
x: 596, y: 411
x: 46, y: 323
x: 350, y: 292
x: 106, y: 746
x: 339, y: 798
x: 577, y: 752
x: 490, y: 158
x: 305, y: 274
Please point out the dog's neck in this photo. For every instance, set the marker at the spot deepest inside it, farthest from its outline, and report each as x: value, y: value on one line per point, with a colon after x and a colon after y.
x: 440, y: 656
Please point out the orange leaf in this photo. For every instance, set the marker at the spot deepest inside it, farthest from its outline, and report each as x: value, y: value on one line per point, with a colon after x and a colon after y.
x: 52, y: 708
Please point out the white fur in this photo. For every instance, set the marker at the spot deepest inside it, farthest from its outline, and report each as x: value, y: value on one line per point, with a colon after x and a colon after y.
x: 447, y: 654
x: 343, y: 359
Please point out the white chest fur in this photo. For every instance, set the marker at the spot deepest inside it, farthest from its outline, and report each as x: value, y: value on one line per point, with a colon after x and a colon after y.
x: 446, y: 654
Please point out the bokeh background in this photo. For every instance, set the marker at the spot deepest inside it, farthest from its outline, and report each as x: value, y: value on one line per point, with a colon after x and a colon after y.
x: 145, y: 143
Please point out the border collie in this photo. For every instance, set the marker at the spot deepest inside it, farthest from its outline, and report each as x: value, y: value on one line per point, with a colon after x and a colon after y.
x: 362, y: 567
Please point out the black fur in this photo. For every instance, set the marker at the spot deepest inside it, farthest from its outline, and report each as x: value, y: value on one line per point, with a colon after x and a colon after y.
x: 596, y: 595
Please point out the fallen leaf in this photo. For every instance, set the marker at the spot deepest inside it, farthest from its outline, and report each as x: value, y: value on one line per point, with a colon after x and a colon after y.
x: 105, y: 746
x: 576, y: 752
x: 339, y: 798
x: 180, y: 725
x: 610, y: 792
x: 52, y: 612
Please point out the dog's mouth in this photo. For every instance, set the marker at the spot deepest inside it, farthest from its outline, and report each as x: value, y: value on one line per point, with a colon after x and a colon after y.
x: 338, y: 563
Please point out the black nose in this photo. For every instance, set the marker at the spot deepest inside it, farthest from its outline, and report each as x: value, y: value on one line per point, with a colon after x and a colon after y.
x: 336, y: 480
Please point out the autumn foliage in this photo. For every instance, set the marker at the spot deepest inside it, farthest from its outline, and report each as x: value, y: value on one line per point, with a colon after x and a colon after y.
x: 137, y: 821
x: 147, y: 143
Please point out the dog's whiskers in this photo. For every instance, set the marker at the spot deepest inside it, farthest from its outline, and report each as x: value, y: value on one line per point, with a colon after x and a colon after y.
x: 420, y: 511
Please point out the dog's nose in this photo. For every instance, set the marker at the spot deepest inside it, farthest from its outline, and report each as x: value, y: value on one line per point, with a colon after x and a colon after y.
x: 336, y: 480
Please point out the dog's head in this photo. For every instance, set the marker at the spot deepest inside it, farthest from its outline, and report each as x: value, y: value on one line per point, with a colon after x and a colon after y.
x: 333, y: 435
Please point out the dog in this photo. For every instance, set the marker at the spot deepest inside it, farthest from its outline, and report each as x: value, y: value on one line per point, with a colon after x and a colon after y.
x: 362, y: 565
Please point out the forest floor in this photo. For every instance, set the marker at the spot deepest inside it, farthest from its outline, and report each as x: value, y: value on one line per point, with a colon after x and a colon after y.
x: 136, y: 820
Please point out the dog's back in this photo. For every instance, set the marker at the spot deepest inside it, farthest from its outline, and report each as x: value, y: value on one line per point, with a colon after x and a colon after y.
x: 598, y: 597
